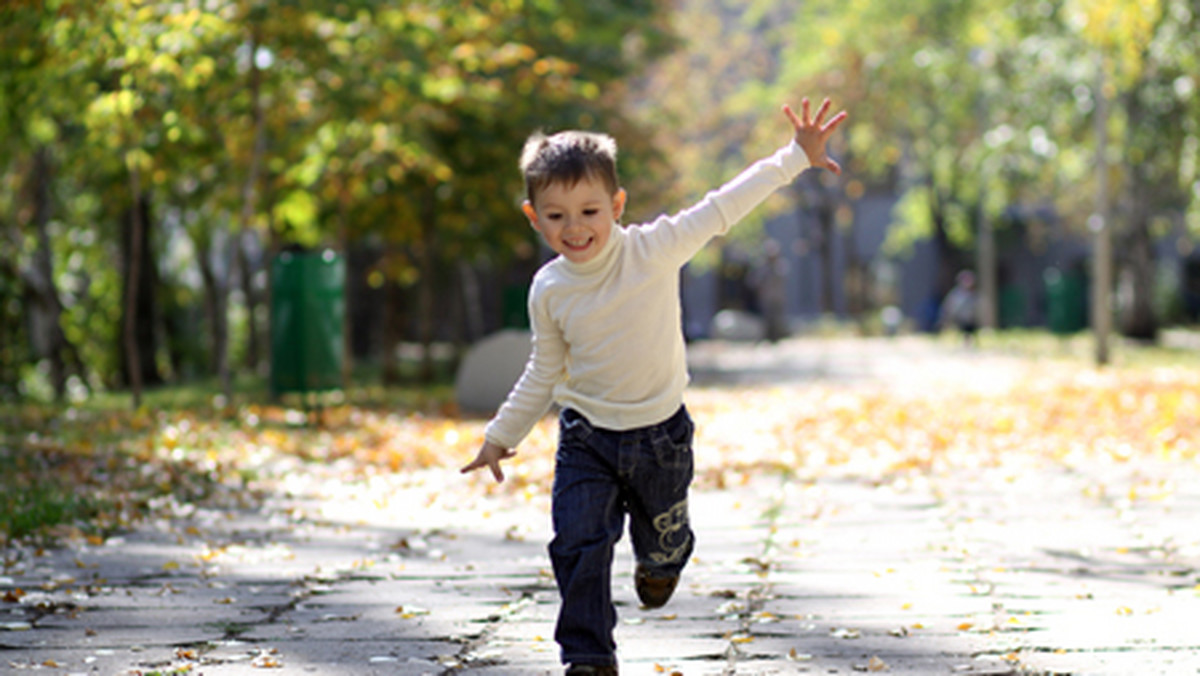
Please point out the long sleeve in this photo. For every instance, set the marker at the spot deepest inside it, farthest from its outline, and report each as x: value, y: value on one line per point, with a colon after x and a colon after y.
x: 532, y: 395
x: 675, y: 239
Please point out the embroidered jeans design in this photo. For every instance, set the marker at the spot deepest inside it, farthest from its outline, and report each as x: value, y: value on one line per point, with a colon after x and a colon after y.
x: 674, y: 535
x: 600, y: 476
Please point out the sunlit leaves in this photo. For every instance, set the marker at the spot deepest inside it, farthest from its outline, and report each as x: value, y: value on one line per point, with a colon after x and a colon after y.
x: 298, y: 212
x: 127, y: 467
x: 1121, y: 28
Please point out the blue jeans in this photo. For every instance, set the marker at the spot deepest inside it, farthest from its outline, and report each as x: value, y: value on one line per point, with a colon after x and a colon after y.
x: 600, y: 476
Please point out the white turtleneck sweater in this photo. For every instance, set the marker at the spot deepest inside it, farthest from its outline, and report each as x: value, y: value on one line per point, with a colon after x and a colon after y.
x: 607, y: 334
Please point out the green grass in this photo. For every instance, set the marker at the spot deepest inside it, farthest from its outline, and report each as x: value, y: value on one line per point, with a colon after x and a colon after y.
x: 33, y: 501
x: 206, y: 395
x: 50, y: 454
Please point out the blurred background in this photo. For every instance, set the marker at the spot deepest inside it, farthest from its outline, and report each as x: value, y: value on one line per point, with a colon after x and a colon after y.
x: 231, y: 191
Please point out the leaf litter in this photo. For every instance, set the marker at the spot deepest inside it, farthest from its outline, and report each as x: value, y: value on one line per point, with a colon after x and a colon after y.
x: 164, y: 466
x: 135, y: 466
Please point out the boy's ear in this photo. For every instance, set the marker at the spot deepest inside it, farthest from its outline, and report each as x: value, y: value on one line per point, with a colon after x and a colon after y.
x: 619, y: 203
x: 531, y: 214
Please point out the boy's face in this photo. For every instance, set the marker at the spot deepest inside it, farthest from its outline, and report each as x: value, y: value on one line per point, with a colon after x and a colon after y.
x: 576, y: 221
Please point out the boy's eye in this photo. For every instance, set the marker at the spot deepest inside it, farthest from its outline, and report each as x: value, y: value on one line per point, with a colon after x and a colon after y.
x: 553, y: 217
x: 590, y: 212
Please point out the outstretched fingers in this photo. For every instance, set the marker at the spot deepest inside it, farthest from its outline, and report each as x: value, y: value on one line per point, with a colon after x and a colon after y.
x: 833, y: 122
x: 821, y: 112
x: 807, y: 121
x: 792, y: 117
x: 490, y: 458
x: 812, y: 133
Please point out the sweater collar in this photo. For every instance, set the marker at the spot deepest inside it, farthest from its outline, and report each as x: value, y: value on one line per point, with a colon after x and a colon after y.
x: 603, y: 259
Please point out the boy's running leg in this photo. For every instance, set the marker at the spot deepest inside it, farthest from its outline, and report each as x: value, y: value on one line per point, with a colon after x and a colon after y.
x: 658, y: 509
x: 588, y: 519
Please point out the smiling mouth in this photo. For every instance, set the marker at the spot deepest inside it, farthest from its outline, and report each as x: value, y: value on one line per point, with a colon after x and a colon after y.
x: 577, y: 245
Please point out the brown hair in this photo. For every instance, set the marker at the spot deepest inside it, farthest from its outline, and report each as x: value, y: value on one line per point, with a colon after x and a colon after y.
x: 568, y: 157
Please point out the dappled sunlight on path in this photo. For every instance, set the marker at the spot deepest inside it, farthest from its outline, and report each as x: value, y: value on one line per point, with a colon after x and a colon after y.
x: 860, y: 506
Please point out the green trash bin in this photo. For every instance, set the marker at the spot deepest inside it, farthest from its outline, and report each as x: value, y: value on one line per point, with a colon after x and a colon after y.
x: 1066, y: 302
x: 1013, y: 308
x: 515, y: 306
x: 307, y: 312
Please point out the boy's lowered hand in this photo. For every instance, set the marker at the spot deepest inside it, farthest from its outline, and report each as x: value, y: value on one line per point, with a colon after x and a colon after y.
x: 812, y: 133
x: 490, y: 455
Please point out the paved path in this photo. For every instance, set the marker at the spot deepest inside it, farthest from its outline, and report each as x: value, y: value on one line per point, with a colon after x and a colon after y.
x: 970, y: 574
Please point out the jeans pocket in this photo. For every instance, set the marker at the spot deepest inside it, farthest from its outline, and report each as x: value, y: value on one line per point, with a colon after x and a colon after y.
x: 673, y: 448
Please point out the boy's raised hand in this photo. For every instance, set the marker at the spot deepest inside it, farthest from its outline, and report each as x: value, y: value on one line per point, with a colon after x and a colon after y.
x: 490, y: 455
x: 812, y: 133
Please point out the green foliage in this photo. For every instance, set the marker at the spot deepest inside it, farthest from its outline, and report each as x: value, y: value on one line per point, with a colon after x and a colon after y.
x: 308, y: 122
x: 330, y: 122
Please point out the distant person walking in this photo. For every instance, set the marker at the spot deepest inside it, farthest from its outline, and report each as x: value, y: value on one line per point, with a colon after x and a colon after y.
x: 961, y: 308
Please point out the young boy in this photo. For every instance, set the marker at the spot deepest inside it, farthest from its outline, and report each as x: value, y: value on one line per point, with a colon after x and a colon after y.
x: 608, y: 348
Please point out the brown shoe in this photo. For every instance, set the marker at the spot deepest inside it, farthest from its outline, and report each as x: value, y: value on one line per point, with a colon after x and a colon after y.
x: 654, y: 592
x: 592, y: 670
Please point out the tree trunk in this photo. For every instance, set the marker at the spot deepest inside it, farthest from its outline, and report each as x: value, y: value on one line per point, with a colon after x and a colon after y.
x: 39, y: 279
x: 1101, y: 229
x: 221, y: 321
x: 13, y: 336
x: 133, y: 358
x: 43, y: 261
x: 1138, y: 319
x: 472, y: 302
x: 426, y: 251
x: 348, y: 298
x: 214, y: 306
x: 947, y: 262
x: 824, y: 236
x: 250, y: 201
x: 253, y: 357
x: 989, y: 301
x: 43, y: 270
x: 393, y: 321
x: 854, y: 278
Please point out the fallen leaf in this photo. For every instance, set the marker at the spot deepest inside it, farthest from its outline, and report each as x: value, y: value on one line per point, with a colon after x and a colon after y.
x: 798, y: 656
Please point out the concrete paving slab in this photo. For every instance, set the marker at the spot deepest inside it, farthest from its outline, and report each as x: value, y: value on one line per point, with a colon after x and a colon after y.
x: 1045, y: 569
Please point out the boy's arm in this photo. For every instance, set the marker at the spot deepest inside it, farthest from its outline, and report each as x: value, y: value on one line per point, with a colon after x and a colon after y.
x: 673, y: 240
x: 530, y: 397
